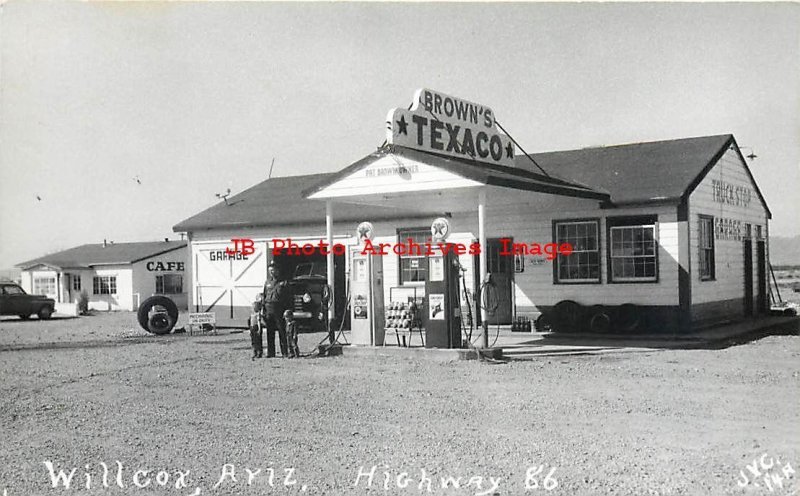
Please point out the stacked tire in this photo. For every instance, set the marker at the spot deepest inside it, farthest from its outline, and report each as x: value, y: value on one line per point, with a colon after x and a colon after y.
x: 157, y: 315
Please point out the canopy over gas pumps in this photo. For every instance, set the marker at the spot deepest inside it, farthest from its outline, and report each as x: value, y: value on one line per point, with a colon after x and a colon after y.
x: 412, y: 180
x: 441, y: 155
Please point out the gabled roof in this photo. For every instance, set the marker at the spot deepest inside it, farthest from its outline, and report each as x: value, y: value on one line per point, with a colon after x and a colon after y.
x: 492, y: 175
x: 90, y: 255
x: 278, y: 202
x: 638, y: 173
x: 657, y: 171
x: 282, y: 201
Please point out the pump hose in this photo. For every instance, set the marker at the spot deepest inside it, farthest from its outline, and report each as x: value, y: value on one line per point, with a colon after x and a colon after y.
x: 490, y: 301
x: 315, y: 351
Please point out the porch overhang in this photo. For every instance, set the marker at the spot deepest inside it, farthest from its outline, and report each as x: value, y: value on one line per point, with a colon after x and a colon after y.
x: 408, y: 178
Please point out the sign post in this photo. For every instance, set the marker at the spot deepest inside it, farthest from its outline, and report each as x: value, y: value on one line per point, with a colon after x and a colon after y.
x: 201, y: 320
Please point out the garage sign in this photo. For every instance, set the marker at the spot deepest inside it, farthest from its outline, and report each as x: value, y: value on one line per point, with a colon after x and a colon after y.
x: 444, y: 124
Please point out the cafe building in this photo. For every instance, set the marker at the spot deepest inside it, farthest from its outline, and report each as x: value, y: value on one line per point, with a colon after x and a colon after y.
x: 668, y: 235
x: 114, y: 276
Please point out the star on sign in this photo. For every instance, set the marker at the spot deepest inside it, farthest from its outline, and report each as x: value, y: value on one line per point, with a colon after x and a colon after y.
x: 439, y: 230
x: 402, y: 125
x: 364, y: 232
x: 509, y: 151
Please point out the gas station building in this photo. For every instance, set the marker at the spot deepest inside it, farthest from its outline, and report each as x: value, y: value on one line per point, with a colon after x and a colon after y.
x: 676, y: 229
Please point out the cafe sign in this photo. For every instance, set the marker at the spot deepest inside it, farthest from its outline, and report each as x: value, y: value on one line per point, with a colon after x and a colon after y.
x: 443, y: 124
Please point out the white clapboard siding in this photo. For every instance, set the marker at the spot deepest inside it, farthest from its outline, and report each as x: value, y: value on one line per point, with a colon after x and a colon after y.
x: 728, y: 254
x: 123, y: 299
x: 535, y: 285
x: 525, y: 216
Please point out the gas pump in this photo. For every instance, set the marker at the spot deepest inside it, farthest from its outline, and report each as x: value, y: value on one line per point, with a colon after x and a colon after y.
x: 366, y: 307
x: 443, y: 312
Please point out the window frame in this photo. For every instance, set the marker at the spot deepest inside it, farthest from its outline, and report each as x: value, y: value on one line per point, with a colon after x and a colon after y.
x: 631, y: 221
x: 76, y: 279
x: 702, y: 249
x: 556, y: 261
x: 36, y: 284
x: 112, y: 288
x: 424, y: 258
x: 162, y: 276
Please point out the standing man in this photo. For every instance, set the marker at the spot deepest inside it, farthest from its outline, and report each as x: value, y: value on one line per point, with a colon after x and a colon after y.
x: 275, y: 293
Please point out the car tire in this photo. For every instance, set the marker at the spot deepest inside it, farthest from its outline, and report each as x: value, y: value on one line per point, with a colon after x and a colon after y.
x: 24, y: 317
x: 544, y: 323
x: 568, y: 316
x: 160, y: 323
x: 45, y: 313
x: 599, y: 320
x: 627, y: 318
x: 158, y: 326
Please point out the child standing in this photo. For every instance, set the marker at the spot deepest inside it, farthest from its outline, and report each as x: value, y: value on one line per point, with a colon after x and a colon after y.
x: 291, y: 334
x: 256, y: 332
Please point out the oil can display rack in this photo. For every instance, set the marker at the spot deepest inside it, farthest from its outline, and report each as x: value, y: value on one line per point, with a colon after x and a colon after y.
x: 403, y: 315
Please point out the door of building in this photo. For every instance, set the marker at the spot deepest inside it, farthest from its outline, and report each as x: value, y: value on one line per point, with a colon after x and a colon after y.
x: 227, y: 284
x: 501, y: 267
x: 761, y: 277
x: 748, y: 277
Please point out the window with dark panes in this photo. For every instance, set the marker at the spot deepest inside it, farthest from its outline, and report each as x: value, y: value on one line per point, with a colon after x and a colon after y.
x: 169, y: 284
x: 633, y: 253
x: 583, y: 264
x: 706, y: 243
x: 413, y: 267
x: 104, y: 285
x: 44, y: 285
x: 76, y: 282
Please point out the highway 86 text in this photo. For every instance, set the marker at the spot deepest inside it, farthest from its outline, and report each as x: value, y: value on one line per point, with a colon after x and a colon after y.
x: 537, y: 477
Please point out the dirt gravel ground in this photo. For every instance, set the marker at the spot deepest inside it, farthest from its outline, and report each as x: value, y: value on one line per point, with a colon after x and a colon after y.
x: 81, y: 392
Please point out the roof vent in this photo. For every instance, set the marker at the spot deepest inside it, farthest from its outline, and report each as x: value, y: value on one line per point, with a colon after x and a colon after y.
x: 105, y: 243
x: 166, y: 240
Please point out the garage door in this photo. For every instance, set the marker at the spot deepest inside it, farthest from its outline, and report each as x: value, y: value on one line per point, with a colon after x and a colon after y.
x: 228, y: 284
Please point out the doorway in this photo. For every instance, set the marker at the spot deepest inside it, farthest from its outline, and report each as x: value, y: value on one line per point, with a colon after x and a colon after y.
x: 762, y: 301
x: 501, y: 266
x: 748, y: 278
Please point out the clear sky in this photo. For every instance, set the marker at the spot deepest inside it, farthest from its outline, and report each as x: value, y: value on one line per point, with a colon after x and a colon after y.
x: 195, y: 98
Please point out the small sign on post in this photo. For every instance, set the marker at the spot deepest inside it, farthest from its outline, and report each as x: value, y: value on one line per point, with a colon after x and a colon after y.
x: 203, y: 320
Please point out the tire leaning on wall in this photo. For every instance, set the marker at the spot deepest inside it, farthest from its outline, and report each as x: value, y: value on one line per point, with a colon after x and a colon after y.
x: 627, y: 318
x: 567, y: 316
x: 155, y: 324
x: 598, y: 320
x: 544, y: 323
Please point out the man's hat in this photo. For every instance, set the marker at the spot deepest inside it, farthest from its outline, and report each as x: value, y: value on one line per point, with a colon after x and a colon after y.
x: 288, y: 313
x: 272, y: 264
